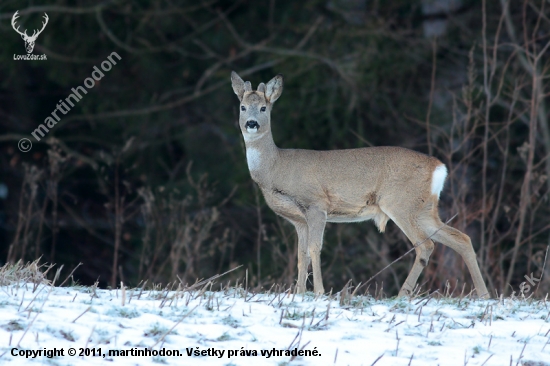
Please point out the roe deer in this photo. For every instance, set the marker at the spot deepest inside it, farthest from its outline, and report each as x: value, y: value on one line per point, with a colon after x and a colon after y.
x: 310, y: 188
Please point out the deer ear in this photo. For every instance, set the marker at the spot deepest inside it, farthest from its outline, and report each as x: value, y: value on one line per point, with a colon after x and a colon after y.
x: 238, y: 85
x: 274, y: 88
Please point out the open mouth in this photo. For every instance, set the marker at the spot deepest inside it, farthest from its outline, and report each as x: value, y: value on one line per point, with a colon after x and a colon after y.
x: 252, y: 126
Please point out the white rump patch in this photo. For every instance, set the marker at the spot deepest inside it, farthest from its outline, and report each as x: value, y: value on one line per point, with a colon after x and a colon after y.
x: 253, y: 157
x: 438, y: 179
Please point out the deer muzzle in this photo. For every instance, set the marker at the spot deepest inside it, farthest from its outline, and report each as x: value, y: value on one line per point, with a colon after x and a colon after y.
x: 252, y: 126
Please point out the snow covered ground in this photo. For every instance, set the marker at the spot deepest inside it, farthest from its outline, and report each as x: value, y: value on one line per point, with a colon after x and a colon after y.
x: 236, y: 327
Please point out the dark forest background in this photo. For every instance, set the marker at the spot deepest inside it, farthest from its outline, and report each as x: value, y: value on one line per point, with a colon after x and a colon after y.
x: 146, y: 177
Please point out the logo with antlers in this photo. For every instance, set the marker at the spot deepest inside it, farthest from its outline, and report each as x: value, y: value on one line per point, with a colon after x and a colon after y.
x: 29, y: 40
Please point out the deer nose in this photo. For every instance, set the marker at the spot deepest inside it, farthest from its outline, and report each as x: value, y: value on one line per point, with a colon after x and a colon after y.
x: 252, y: 124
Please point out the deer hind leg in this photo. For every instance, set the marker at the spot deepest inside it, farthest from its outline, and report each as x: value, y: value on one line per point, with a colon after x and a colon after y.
x: 316, y: 221
x: 423, y: 252
x: 303, y: 256
x: 461, y: 243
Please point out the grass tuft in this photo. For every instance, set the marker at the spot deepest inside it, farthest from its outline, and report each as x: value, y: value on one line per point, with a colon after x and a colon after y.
x: 157, y: 330
x: 123, y: 312
x: 31, y: 272
x: 12, y: 325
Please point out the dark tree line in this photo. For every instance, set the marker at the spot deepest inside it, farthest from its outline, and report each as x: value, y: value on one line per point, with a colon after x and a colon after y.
x: 146, y: 177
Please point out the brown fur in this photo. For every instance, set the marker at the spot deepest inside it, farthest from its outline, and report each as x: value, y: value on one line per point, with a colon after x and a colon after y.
x: 310, y: 188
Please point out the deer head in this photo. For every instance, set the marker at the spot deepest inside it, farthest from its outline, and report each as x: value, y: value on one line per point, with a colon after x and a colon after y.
x: 29, y: 40
x: 254, y: 118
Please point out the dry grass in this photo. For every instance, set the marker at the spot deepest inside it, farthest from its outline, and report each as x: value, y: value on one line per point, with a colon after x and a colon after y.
x: 19, y: 273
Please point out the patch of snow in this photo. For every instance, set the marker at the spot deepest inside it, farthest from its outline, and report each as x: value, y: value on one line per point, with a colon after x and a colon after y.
x: 446, y: 331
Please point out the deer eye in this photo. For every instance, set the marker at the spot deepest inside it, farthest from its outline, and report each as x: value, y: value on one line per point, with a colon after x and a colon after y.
x: 243, y: 108
x: 262, y: 109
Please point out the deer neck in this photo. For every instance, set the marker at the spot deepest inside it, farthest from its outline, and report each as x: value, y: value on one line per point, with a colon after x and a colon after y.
x: 261, y: 156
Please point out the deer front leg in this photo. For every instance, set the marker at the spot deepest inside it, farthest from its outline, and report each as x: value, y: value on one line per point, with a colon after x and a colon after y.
x: 316, y: 221
x: 303, y: 257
